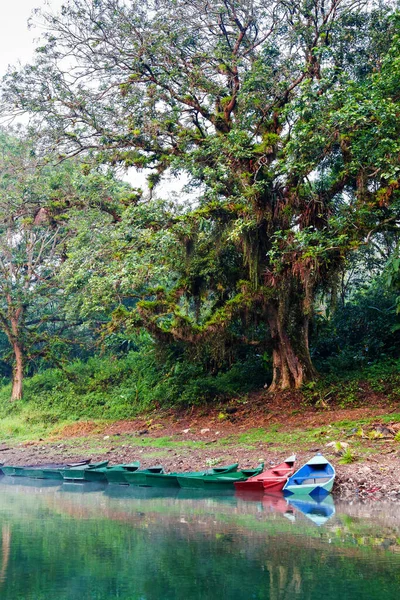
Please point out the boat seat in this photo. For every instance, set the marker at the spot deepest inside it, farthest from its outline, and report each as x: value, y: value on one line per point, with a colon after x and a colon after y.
x: 308, y: 480
x: 280, y: 472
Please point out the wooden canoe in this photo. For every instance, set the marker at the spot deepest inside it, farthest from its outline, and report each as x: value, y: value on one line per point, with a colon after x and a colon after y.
x: 314, y: 479
x: 46, y: 471
x: 271, y: 480
x: 78, y: 473
x: 217, y: 481
x: 170, y: 480
x: 139, y: 477
x: 114, y: 474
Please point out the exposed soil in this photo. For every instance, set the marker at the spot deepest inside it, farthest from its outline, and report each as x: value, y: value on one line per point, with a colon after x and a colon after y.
x: 374, y: 474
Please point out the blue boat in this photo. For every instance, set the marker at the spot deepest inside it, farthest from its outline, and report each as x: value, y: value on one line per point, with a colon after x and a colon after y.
x: 314, y: 479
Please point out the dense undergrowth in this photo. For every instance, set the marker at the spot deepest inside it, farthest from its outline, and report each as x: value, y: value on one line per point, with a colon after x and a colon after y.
x: 121, y: 388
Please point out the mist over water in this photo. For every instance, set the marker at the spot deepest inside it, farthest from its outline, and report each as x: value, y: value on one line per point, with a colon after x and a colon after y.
x: 75, y: 541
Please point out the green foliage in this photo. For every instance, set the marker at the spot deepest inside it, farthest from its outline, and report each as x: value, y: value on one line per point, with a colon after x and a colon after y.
x: 348, y: 457
x: 288, y: 140
x: 360, y: 332
x: 117, y: 388
x: 39, y: 207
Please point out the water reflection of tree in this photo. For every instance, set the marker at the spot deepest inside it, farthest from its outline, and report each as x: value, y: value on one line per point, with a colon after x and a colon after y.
x: 5, y: 551
x: 284, y: 581
x: 161, y: 548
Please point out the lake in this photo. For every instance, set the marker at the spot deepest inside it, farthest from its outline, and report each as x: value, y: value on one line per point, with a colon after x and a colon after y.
x: 86, y: 541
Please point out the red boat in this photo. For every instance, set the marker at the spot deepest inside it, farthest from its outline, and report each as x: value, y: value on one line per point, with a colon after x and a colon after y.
x: 272, y: 480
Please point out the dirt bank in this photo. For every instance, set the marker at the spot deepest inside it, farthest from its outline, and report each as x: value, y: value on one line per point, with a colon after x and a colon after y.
x: 369, y: 438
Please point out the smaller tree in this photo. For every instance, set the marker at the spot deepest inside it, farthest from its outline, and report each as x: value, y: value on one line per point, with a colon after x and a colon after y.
x: 36, y: 202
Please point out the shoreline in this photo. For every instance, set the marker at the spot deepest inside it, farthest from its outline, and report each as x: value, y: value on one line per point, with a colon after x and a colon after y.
x: 374, y: 477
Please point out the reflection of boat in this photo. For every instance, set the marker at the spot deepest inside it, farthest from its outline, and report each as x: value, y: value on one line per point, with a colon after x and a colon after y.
x: 272, y: 502
x: 88, y: 486
x: 276, y: 502
x: 314, y: 479
x: 222, y: 495
x: 271, y: 480
x: 31, y: 483
x: 319, y: 512
x: 249, y: 495
x: 290, y: 516
x: 217, y: 481
x: 139, y: 492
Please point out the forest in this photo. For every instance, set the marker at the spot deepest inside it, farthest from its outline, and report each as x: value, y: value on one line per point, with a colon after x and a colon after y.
x: 198, y: 201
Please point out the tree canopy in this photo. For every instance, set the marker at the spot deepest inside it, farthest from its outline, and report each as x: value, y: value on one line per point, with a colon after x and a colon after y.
x: 283, y: 116
x: 38, y: 205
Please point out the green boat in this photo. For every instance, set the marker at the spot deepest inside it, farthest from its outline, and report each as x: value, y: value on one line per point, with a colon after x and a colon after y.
x: 10, y: 471
x: 38, y: 473
x: 42, y: 472
x: 139, y: 477
x: 217, y: 481
x: 78, y: 473
x: 164, y: 480
x: 170, y: 480
x: 16, y: 471
x: 47, y: 474
x: 114, y: 474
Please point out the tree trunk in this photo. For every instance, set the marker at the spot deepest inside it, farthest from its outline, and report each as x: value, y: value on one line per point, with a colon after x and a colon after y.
x: 291, y: 360
x: 18, y: 372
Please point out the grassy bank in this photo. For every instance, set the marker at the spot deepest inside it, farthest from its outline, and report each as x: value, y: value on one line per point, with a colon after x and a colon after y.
x: 110, y: 388
x: 107, y: 389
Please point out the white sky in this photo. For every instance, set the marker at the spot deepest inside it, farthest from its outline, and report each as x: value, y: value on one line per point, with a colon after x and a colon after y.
x: 17, y: 44
x: 16, y: 41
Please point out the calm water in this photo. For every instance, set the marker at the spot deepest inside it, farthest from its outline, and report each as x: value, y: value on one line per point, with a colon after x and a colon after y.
x: 89, y: 542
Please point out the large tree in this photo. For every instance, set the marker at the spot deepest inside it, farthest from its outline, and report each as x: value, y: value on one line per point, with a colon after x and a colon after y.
x: 226, y: 92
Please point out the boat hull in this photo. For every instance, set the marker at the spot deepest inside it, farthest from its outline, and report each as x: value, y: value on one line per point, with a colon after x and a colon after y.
x: 51, y: 474
x: 139, y: 477
x: 211, y: 482
x: 117, y: 475
x: 313, y: 490
x: 20, y: 472
x: 94, y: 475
x: 9, y: 471
x: 164, y: 480
x: 271, y: 480
x: 77, y: 474
x: 274, y: 485
x: 170, y: 480
x: 136, y: 478
x: 32, y: 473
x: 216, y: 481
x: 45, y: 471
